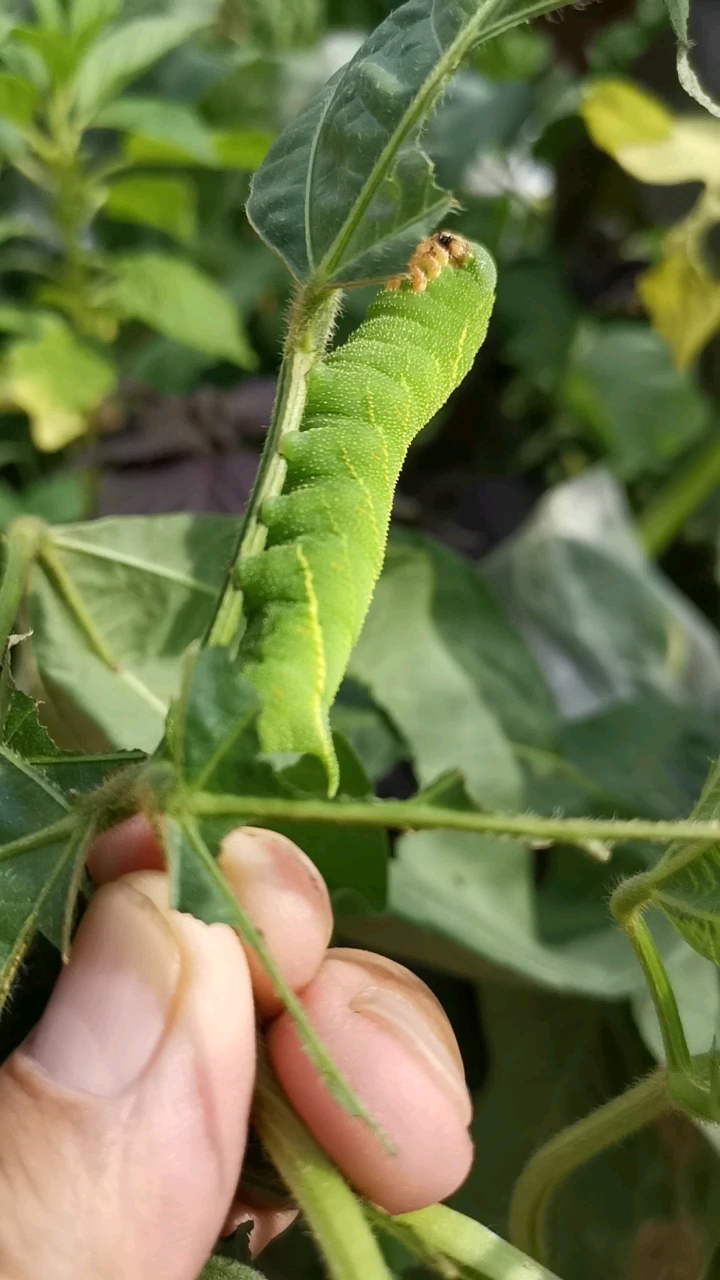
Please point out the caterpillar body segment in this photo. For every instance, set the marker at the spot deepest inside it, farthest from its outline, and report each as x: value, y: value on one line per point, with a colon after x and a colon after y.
x: 305, y: 596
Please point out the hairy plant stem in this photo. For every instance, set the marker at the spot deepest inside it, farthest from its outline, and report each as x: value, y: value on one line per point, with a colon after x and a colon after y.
x: 331, y: 1210
x: 406, y: 815
x: 665, y: 515
x: 567, y: 1151
x: 22, y: 543
x: 451, y: 1243
x: 311, y: 321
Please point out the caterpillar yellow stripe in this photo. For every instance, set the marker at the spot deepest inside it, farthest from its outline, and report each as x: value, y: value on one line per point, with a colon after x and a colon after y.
x: 305, y: 596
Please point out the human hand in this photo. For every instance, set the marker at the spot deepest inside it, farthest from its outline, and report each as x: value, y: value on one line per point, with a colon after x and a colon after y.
x: 123, y: 1117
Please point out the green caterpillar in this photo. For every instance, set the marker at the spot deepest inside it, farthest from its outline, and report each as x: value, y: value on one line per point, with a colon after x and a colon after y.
x: 305, y: 596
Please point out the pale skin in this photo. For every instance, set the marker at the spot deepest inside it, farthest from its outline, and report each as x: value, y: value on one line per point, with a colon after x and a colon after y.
x: 123, y: 1118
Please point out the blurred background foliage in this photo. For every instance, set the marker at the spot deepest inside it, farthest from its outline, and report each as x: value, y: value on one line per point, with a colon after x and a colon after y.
x: 548, y: 617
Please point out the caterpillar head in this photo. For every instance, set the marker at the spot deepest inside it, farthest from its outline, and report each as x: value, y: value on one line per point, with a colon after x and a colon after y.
x: 429, y: 259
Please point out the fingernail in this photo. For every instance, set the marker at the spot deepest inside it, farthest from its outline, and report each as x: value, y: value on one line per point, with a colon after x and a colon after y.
x: 400, y: 1003
x: 115, y: 999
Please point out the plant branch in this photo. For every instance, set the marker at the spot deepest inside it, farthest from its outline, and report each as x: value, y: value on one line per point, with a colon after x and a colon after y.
x: 406, y: 815
x: 309, y: 330
x: 627, y: 904
x: 330, y: 1208
x: 665, y: 515
x: 567, y: 1151
x: 22, y: 543
x: 439, y: 1236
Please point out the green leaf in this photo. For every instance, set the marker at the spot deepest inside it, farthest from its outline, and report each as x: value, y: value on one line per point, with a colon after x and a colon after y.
x: 168, y: 204
x: 119, y: 56
x: 353, y: 860
x: 57, y: 380
x: 213, y: 738
x: 470, y: 621
x: 679, y: 13
x: 17, y: 319
x: 228, y: 1269
x: 172, y: 124
x: 132, y: 594
x: 412, y: 673
x: 178, y: 300
x: 538, y: 316
x: 91, y: 13
x: 42, y: 843
x: 18, y: 99
x: 240, y: 148
x: 346, y: 192
x: 366, y: 727
x: 643, y: 412
x: 209, y: 732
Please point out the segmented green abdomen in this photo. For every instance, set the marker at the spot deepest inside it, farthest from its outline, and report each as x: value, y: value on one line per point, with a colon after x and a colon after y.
x: 306, y: 595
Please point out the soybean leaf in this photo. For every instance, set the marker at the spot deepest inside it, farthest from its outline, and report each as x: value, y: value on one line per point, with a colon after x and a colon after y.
x: 114, y: 612
x: 57, y: 380
x: 470, y: 621
x: 42, y: 841
x: 621, y: 383
x: 353, y: 861
x: 116, y: 57
x: 368, y: 729
x: 168, y: 204
x: 180, y: 301
x: 169, y: 123
x: 679, y: 12
x: 412, y: 673
x: 346, y: 191
x: 211, y: 737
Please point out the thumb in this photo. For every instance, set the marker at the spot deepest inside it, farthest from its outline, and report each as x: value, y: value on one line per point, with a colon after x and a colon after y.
x: 123, y: 1117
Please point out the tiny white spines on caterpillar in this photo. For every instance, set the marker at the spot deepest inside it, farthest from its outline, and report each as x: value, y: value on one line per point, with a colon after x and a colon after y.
x: 306, y: 595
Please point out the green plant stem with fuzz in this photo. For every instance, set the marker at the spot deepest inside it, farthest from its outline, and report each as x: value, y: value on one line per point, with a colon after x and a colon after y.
x: 664, y: 517
x: 22, y: 542
x: 405, y: 815
x: 310, y: 326
x: 457, y: 1246
x: 569, y: 1150
x: 333, y: 1213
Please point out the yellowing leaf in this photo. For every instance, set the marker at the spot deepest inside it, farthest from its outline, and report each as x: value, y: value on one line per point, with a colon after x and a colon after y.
x: 617, y: 114
x: 57, y: 381
x: 683, y: 303
x: 690, y: 153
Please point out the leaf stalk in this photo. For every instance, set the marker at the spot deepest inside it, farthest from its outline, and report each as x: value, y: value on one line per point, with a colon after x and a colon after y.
x: 406, y: 815
x: 22, y: 543
x: 571, y: 1148
x: 333, y: 1213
